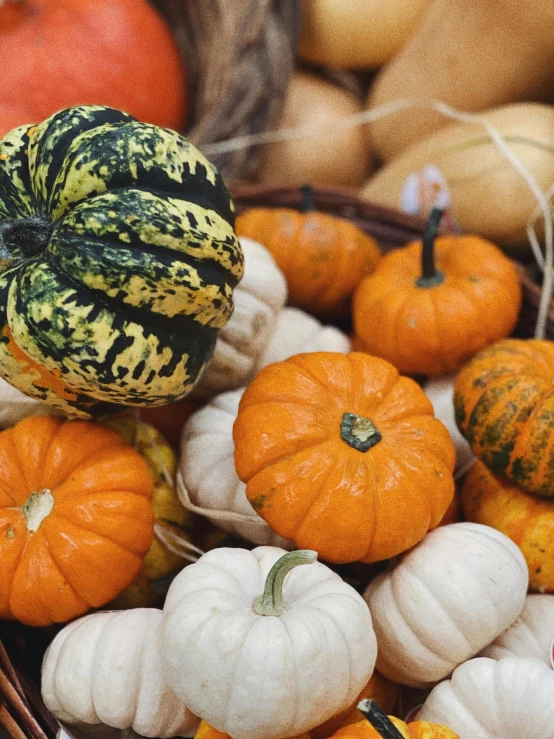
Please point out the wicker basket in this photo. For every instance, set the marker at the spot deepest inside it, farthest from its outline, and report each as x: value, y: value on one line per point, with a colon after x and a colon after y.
x: 530, y: 305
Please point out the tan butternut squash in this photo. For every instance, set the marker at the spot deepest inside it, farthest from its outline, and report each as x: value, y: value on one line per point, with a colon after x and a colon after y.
x: 471, y: 54
x: 333, y: 155
x: 489, y: 197
x: 356, y: 34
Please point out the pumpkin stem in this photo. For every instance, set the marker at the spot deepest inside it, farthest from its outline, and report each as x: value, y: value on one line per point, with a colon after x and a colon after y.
x: 271, y: 602
x: 429, y: 275
x: 359, y: 432
x: 308, y: 202
x: 29, y: 236
x: 379, y: 719
x: 37, y: 508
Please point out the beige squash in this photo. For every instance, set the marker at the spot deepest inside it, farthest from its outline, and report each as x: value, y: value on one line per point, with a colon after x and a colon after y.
x: 489, y: 197
x: 356, y: 34
x: 471, y: 54
x: 332, y: 154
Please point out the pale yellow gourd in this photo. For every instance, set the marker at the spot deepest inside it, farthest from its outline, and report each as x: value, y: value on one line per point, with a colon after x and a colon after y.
x: 489, y: 197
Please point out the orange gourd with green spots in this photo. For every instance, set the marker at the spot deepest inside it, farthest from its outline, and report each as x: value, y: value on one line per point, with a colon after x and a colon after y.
x: 504, y: 405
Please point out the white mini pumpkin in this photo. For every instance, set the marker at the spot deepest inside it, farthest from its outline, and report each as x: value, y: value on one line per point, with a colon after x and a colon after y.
x: 446, y: 599
x: 258, y: 299
x: 440, y: 391
x: 207, y: 482
x: 512, y: 698
x: 105, y: 668
x: 262, y: 654
x: 296, y: 332
x: 531, y: 635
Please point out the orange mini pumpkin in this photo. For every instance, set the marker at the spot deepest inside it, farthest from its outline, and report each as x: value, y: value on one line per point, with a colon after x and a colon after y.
x: 322, y: 256
x: 432, y: 305
x: 525, y: 519
x: 342, y: 455
x: 75, y: 518
x: 383, y: 690
x: 504, y: 406
x: 377, y: 725
x: 206, y: 731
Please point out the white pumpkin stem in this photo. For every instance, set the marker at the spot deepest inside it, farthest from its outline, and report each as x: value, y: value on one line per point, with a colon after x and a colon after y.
x: 378, y: 719
x: 37, y: 508
x: 270, y: 602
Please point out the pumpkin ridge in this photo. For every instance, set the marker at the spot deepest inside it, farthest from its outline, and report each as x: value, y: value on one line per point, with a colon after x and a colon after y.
x: 159, y: 321
x: 32, y: 541
x: 209, y: 264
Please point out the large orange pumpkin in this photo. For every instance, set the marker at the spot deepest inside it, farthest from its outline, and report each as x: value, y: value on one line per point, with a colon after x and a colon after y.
x: 75, y: 518
x: 342, y: 455
x: 58, y: 53
x: 206, y: 731
x: 322, y: 256
x: 432, y: 305
x: 504, y: 405
x: 526, y: 519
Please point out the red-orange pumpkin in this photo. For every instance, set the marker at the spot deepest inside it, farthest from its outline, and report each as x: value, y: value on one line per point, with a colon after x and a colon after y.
x: 75, y: 518
x: 344, y: 456
x: 120, y: 53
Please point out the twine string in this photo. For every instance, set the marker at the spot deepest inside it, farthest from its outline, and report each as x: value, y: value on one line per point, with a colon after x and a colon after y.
x: 216, y: 513
x: 544, y: 205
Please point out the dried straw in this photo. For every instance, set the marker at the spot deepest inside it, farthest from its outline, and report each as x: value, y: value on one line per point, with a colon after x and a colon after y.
x: 239, y: 55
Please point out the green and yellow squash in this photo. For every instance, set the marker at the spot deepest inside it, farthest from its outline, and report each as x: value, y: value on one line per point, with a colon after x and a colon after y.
x: 118, y: 259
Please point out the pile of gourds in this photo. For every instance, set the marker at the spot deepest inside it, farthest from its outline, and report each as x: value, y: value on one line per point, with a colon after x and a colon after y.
x: 120, y: 270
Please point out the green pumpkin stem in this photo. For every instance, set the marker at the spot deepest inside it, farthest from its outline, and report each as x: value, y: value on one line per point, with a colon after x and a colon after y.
x: 308, y: 202
x: 379, y: 719
x: 430, y: 276
x: 271, y: 602
x: 359, y: 432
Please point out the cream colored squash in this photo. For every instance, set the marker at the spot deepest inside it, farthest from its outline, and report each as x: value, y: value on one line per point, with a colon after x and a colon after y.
x: 258, y: 299
x: 440, y: 391
x: 487, y: 699
x: 446, y: 599
x: 531, y: 635
x: 207, y: 482
x: 489, y: 197
x: 15, y: 405
x: 296, y: 332
x: 262, y: 654
x: 105, y: 668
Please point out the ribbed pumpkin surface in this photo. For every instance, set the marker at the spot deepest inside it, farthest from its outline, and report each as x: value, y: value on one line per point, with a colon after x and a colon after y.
x: 504, y: 404
x: 119, y: 260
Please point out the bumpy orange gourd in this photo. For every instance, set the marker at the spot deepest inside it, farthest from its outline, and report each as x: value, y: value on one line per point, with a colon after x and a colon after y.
x: 55, y: 54
x: 75, y: 518
x: 504, y: 405
x: 342, y: 455
x: 432, y: 305
x: 526, y: 519
x: 413, y: 730
x: 383, y: 690
x: 322, y: 256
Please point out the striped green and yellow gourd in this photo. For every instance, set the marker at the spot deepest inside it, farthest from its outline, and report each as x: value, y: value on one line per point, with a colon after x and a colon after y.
x: 118, y: 259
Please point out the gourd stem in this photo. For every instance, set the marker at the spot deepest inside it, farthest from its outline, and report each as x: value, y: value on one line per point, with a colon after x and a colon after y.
x: 30, y: 236
x: 271, y: 602
x: 308, y: 203
x: 430, y: 276
x: 379, y: 719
